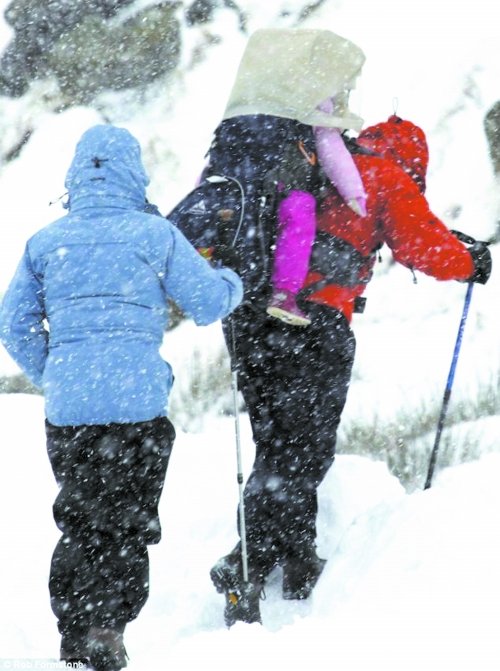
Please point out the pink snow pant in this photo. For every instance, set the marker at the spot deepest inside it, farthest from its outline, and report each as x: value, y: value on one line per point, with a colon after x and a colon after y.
x: 296, y: 230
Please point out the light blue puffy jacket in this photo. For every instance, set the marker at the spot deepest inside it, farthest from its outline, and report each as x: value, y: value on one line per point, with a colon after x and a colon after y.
x: 85, y: 314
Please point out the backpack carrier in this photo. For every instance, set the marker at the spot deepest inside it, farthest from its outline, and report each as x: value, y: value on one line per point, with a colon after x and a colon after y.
x: 235, y: 205
x: 254, y: 161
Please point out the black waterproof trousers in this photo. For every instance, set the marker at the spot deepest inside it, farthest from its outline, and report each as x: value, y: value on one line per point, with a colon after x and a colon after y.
x: 294, y: 381
x: 110, y: 478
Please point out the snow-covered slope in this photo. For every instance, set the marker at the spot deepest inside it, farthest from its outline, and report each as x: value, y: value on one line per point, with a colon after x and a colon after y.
x: 411, y: 584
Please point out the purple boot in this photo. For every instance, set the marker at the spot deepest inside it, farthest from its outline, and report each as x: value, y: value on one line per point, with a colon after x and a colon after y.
x: 283, y: 306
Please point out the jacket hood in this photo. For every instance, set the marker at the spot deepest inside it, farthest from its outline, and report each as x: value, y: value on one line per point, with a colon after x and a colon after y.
x: 107, y: 170
x: 402, y: 143
x: 290, y: 72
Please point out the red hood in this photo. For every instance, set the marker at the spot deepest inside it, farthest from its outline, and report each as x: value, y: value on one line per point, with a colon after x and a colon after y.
x: 402, y: 142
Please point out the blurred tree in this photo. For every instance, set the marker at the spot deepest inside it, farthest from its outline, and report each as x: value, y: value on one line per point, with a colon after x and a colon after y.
x: 37, y: 25
x: 87, y: 52
x: 95, y: 57
x: 492, y: 129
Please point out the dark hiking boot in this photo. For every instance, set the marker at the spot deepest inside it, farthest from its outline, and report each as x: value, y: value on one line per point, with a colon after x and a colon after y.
x: 74, y: 649
x: 106, y: 649
x: 301, y: 574
x: 283, y: 306
x: 242, y: 598
x: 242, y: 604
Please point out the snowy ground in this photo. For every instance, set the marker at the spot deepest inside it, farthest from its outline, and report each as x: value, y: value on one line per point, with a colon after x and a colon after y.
x: 412, y: 581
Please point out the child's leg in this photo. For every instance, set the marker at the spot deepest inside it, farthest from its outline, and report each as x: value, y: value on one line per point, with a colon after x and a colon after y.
x: 296, y: 230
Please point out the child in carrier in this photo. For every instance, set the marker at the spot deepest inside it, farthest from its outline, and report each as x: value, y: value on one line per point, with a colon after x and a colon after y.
x: 305, y: 77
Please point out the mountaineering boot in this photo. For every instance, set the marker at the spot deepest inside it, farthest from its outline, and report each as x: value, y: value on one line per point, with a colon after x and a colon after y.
x: 242, y: 604
x: 283, y: 306
x: 242, y: 598
x: 74, y: 648
x: 106, y: 649
x: 300, y: 575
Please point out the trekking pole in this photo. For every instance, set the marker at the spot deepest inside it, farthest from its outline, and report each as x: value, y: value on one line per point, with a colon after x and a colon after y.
x: 449, y: 384
x: 239, y: 466
x: 225, y: 217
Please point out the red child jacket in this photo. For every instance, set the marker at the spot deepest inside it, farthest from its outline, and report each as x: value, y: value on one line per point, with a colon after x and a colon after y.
x: 397, y: 214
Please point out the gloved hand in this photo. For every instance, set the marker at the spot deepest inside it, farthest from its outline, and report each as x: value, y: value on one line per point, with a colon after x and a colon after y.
x: 481, y: 256
x: 224, y: 252
x: 226, y: 255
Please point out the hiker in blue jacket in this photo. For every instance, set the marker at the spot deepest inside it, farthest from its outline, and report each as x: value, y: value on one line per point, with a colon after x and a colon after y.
x: 84, y: 318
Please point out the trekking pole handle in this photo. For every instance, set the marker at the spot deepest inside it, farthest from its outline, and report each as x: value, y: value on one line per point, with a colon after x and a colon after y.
x: 223, y: 179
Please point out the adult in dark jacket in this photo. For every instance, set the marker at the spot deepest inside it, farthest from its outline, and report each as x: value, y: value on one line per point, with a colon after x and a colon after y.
x: 295, y: 380
x: 84, y: 317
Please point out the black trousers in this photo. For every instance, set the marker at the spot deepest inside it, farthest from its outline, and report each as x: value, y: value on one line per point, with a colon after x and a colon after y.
x: 294, y: 382
x: 110, y: 478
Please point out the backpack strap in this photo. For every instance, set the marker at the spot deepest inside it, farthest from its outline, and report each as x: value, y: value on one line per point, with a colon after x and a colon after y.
x: 340, y: 264
x: 298, y: 167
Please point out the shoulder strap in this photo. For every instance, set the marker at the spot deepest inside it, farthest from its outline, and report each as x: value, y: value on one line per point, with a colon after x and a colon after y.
x: 298, y: 164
